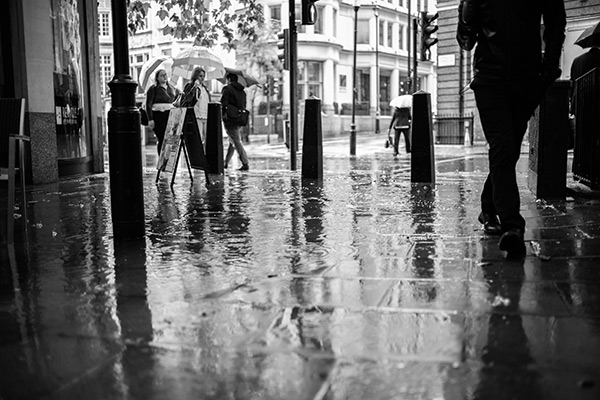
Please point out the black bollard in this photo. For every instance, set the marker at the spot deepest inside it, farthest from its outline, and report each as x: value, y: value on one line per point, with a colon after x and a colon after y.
x: 548, y: 142
x: 422, y: 169
x: 214, y: 139
x: 312, y: 146
x: 124, y: 138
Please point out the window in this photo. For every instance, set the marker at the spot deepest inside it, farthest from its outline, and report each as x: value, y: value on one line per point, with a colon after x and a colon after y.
x: 334, y: 23
x: 389, y: 34
x: 135, y: 64
x: 310, y: 81
x: 384, y: 92
x: 343, y: 83
x: 275, y: 13
x: 104, y: 24
x: 381, y: 33
x: 319, y: 22
x: 362, y: 35
x: 363, y: 85
x: 401, y: 30
x: 105, y: 74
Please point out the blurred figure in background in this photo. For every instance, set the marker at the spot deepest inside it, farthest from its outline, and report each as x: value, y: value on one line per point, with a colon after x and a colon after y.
x: 401, y: 125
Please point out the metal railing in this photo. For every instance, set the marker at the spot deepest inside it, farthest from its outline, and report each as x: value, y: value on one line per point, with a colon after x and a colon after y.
x: 586, y: 153
x: 453, y: 129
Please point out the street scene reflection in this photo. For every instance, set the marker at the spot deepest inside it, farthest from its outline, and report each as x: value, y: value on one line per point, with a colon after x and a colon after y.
x: 266, y: 285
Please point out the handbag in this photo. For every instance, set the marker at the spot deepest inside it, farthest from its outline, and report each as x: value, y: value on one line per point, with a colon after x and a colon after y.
x: 143, y: 116
x: 186, y: 99
x: 177, y: 102
x: 235, y: 116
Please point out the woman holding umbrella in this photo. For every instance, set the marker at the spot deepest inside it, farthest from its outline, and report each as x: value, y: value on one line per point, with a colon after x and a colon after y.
x: 196, y: 94
x: 159, y: 100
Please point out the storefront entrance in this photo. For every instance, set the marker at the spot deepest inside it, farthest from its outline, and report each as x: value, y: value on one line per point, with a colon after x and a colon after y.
x: 71, y: 97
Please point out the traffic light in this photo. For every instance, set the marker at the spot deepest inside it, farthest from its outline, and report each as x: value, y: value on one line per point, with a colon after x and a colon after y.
x: 283, y: 48
x: 428, y: 29
x: 309, y: 12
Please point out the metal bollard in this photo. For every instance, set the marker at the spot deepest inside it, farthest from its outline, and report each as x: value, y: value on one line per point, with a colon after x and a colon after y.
x: 422, y: 168
x: 214, y: 140
x: 548, y: 142
x: 312, y: 143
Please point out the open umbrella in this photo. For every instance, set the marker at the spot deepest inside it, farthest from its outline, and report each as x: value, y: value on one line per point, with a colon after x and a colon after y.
x: 403, y: 101
x: 188, y: 59
x: 149, y: 68
x: 589, y: 37
x: 243, y: 78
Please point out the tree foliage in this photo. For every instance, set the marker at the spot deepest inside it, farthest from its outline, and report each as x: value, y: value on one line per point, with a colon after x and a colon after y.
x: 261, y: 55
x: 196, y: 19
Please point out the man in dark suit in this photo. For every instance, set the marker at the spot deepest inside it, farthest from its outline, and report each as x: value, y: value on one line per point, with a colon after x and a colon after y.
x: 511, y: 76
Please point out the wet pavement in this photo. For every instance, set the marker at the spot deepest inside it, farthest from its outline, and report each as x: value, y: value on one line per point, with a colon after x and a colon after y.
x: 265, y: 286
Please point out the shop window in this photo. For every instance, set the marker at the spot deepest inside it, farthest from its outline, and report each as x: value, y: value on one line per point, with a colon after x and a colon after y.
x: 384, y: 93
x: 363, y: 85
x: 310, y: 79
x: 70, y: 101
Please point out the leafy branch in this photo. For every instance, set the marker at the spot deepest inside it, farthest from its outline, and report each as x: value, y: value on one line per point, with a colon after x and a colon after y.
x: 194, y: 19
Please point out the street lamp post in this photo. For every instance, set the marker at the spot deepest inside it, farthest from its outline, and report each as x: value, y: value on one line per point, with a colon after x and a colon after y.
x: 353, y: 124
x: 377, y: 89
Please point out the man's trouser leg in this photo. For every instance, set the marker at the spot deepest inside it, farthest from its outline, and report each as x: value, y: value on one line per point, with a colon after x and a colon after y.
x: 504, y: 111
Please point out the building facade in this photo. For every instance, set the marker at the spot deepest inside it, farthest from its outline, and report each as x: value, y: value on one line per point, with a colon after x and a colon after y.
x: 49, y: 56
x: 325, y: 59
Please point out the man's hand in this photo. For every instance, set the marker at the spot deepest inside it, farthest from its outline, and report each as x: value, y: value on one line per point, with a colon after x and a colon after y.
x: 151, y: 124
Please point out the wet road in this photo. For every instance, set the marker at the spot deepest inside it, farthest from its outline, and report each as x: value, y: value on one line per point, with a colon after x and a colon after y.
x: 265, y: 286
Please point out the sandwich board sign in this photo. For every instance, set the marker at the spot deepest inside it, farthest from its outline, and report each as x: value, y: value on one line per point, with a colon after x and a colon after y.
x: 181, y: 134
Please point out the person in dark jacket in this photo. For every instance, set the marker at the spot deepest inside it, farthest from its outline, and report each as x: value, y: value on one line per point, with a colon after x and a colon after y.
x: 511, y: 76
x: 159, y: 100
x: 400, y: 124
x: 583, y: 64
x: 233, y: 95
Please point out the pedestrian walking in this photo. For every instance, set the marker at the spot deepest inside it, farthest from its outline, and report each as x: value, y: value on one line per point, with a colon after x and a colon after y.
x: 233, y: 100
x: 159, y: 100
x: 401, y: 125
x: 197, y: 94
x: 511, y: 76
